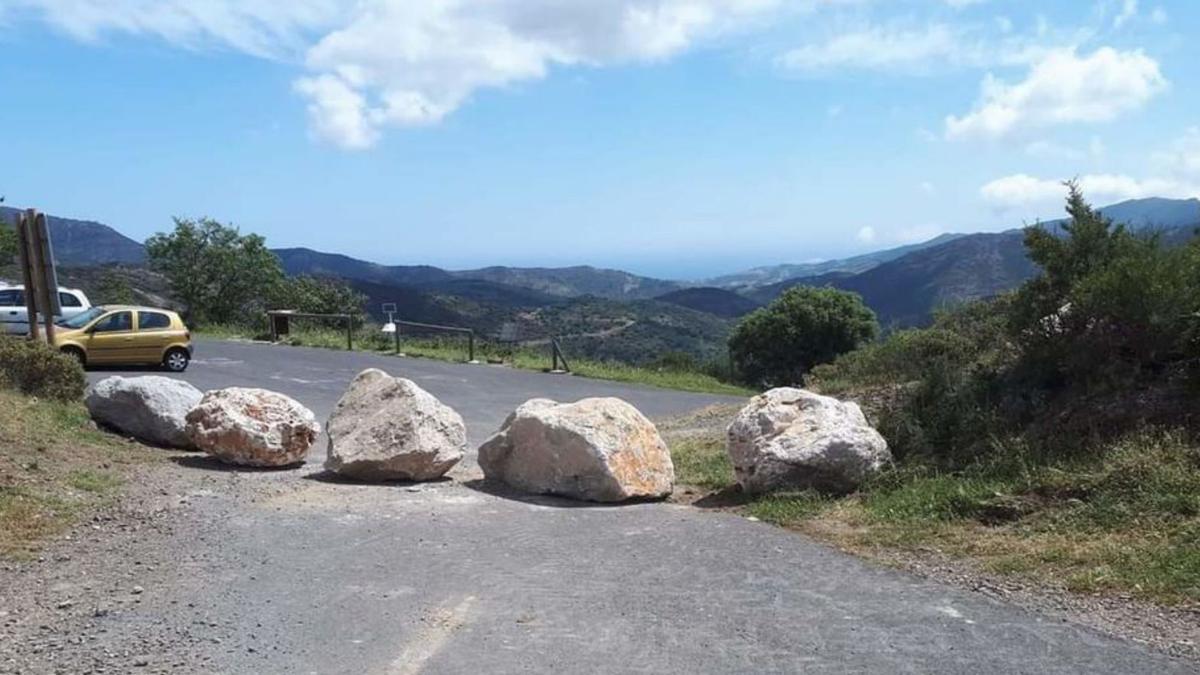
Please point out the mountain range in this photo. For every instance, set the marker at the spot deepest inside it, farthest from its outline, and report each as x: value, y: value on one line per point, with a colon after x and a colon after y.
x: 616, y: 314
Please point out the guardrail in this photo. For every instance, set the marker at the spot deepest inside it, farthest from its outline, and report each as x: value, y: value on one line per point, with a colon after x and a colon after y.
x: 470, y: 333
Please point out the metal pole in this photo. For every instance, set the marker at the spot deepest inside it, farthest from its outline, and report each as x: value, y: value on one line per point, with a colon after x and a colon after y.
x: 26, y: 259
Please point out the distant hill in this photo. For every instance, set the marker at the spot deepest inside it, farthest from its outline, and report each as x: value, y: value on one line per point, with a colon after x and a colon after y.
x: 85, y: 242
x: 715, y: 301
x: 297, y: 261
x: 765, y: 276
x: 570, y: 282
x: 906, y: 291
x: 1152, y: 213
x: 562, y: 282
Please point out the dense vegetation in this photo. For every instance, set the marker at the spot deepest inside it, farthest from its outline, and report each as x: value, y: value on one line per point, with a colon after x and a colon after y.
x: 222, y: 276
x: 1104, y: 340
x: 780, y: 343
x: 33, y: 368
x: 1051, y: 431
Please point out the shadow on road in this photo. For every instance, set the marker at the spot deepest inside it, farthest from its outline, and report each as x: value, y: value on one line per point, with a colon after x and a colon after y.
x: 505, y: 492
x: 212, y: 464
x: 327, y: 476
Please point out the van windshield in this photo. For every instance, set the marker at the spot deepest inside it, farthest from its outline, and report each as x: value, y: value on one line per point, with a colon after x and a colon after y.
x: 82, y: 319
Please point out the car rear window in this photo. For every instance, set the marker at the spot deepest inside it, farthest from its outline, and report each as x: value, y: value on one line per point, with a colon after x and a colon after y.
x: 153, y: 321
x: 12, y: 298
x: 68, y: 300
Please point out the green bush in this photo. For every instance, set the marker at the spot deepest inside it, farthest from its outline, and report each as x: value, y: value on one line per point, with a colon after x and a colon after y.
x: 780, y: 343
x: 35, y: 369
x: 904, y: 356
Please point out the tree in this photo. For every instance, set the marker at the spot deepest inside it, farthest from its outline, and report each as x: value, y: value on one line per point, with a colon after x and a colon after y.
x: 805, y: 327
x: 318, y: 296
x: 114, y: 289
x: 219, y: 274
x: 8, y: 244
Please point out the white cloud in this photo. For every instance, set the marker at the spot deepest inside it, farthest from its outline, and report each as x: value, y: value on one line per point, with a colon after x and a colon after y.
x: 1182, y: 157
x: 1129, y: 10
x: 907, y: 47
x: 1023, y: 189
x: 265, y: 28
x: 392, y: 63
x: 1063, y: 87
x: 866, y: 235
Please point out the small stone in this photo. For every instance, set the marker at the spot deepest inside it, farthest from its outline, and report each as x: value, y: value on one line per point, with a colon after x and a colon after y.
x: 137, y: 590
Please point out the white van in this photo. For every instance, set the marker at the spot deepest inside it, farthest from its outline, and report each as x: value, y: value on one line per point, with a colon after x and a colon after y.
x: 14, y: 317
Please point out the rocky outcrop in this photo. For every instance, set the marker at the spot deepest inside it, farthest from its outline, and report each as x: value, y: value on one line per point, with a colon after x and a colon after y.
x: 151, y: 409
x: 252, y: 427
x: 598, y: 449
x: 792, y: 438
x: 388, y: 428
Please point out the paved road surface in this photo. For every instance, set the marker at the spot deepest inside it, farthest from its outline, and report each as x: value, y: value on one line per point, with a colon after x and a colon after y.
x: 320, y: 576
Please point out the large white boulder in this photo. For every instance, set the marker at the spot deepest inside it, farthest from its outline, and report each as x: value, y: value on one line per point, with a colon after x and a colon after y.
x: 151, y: 409
x: 793, y: 438
x: 252, y: 427
x: 598, y: 449
x: 388, y: 428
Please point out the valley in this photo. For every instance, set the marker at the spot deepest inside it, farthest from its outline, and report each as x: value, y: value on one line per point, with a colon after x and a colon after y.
x: 608, y: 314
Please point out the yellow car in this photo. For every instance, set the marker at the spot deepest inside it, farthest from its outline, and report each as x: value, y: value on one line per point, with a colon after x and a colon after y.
x: 122, y: 335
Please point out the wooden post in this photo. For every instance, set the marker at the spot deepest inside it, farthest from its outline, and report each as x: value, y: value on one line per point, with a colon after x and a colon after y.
x: 349, y: 333
x: 48, y: 292
x: 25, y: 253
x: 471, y: 347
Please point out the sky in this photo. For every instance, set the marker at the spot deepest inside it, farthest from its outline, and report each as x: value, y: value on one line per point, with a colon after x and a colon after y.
x: 675, y: 138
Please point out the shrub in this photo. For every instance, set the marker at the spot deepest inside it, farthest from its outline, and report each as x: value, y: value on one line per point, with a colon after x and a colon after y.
x: 36, y: 369
x: 779, y: 344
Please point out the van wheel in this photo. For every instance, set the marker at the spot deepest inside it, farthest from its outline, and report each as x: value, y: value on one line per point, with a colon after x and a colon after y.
x: 76, y: 354
x: 176, y: 360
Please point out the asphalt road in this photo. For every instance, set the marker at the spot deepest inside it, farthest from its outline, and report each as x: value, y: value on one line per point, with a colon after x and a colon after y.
x: 483, y: 394
x: 313, y: 575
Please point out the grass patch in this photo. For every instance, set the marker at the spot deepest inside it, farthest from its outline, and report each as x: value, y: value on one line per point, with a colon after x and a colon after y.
x: 787, y: 508
x: 54, y: 466
x: 702, y: 462
x: 94, y: 481
x: 370, y: 339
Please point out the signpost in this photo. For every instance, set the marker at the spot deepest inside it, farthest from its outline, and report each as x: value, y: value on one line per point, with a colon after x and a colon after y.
x: 38, y: 272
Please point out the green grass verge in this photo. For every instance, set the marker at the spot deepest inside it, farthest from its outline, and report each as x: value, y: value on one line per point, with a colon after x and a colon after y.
x: 370, y: 339
x: 54, y: 466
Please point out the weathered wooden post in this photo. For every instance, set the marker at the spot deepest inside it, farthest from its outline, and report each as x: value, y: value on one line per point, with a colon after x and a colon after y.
x: 24, y: 251
x: 45, y: 273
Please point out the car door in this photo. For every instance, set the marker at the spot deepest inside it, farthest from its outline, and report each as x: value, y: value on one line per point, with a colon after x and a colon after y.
x: 13, y: 313
x: 153, y: 335
x: 112, y: 339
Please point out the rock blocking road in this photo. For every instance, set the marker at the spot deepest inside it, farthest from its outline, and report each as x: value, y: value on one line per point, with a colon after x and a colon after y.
x: 265, y: 572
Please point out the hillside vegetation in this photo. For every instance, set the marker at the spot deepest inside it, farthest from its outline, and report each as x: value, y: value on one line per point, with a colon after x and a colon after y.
x: 1053, y: 431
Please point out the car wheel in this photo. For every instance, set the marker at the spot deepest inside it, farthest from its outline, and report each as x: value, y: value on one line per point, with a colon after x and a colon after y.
x: 176, y: 360
x: 76, y: 354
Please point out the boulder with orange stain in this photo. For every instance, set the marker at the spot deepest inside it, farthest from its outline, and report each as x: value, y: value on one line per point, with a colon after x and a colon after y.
x: 252, y: 427
x: 597, y: 449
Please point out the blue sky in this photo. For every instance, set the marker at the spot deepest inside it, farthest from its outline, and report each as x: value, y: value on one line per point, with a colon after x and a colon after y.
x: 680, y: 138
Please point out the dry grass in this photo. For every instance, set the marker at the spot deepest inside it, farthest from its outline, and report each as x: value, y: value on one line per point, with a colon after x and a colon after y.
x: 54, y: 466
